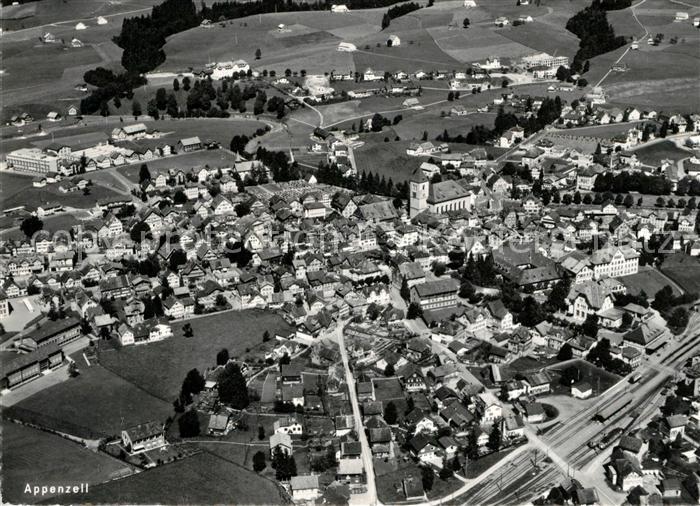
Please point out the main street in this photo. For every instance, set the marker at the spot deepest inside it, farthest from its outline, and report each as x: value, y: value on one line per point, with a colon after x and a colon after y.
x: 370, y: 496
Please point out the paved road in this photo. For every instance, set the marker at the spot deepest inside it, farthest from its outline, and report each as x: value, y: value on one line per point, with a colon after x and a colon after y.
x: 369, y: 497
x: 629, y: 47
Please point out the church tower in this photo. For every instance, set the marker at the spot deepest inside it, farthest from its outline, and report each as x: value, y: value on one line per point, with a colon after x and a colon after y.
x: 418, y: 197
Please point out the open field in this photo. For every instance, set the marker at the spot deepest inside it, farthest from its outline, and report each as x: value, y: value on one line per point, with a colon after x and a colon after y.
x: 95, y: 404
x: 648, y: 280
x: 387, y: 159
x: 24, y: 16
x: 235, y: 330
x: 17, y: 190
x: 307, y: 41
x: 213, y: 158
x: 200, y: 479
x: 659, y: 78
x: 653, y: 155
x: 684, y: 270
x: 539, y: 36
x: 28, y: 453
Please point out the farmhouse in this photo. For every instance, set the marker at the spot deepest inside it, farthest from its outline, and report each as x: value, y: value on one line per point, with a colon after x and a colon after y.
x: 130, y: 132
x: 306, y: 487
x: 189, y: 144
x: 144, y: 437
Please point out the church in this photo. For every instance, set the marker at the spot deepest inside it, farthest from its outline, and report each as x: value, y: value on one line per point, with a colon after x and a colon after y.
x: 439, y: 197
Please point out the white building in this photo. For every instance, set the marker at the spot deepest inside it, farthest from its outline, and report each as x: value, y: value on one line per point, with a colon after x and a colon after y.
x: 545, y: 59
x: 347, y: 47
x: 615, y: 262
x: 339, y: 8
x: 228, y: 68
x: 33, y: 160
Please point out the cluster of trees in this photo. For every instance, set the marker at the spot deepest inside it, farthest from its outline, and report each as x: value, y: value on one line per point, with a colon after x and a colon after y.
x: 142, y: 38
x: 191, y: 385
x: 665, y: 300
x: 378, y: 122
x: 596, y: 35
x: 278, y: 164
x: 232, y: 387
x: 284, y: 465
x: 398, y: 11
x: 688, y: 186
x: 600, y: 356
x: 614, y: 5
x: 188, y: 424
x: 480, y: 270
x: 367, y: 182
x: 109, y: 86
x: 632, y: 182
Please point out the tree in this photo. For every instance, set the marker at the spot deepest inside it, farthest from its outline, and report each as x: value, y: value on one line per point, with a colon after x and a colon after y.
x: 386, y: 21
x: 557, y: 297
x: 389, y: 370
x: 144, y: 174
x: 232, y: 387
x: 259, y: 462
x: 136, y: 108
x: 176, y: 84
x: 180, y: 198
x: 590, y: 326
x: 679, y: 318
x: 466, y: 23
x: 31, y: 226
x: 189, y: 424
x: 446, y: 472
x: 427, y: 477
x: 222, y: 357
x: 405, y: 291
x: 565, y: 352
x: 258, y: 54
x: 629, y: 201
x: 187, y: 330
x: 266, y: 336
x: 284, y: 465
x: 439, y: 269
x: 414, y: 311
x: 191, y: 385
x: 390, y: 413
x: 261, y: 432
x: 563, y: 73
x: 152, y: 109
x: 494, y: 443
x: 242, y: 209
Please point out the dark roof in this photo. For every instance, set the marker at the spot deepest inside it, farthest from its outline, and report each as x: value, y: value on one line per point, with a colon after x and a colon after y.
x: 144, y: 431
x: 12, y: 362
x: 51, y: 328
